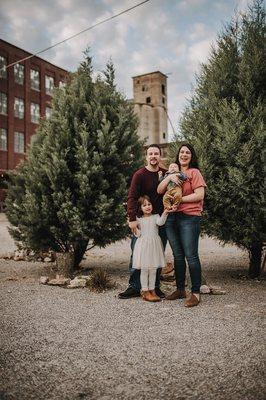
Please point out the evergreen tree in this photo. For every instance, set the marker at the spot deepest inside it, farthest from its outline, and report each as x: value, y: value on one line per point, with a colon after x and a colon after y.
x: 225, y: 122
x: 69, y: 195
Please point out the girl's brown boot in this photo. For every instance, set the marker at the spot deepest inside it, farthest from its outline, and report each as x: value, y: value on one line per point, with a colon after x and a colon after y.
x: 153, y: 296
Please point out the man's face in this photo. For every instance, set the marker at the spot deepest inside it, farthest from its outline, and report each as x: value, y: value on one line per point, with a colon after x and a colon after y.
x: 153, y: 156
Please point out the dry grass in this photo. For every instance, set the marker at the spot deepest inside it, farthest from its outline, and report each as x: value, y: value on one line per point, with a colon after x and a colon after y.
x: 100, y: 281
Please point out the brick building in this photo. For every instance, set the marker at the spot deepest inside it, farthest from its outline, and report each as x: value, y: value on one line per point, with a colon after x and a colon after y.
x: 26, y: 90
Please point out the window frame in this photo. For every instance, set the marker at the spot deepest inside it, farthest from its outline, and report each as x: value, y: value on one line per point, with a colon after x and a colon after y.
x: 18, y: 143
x: 3, y: 112
x: 20, y: 102
x: 3, y: 130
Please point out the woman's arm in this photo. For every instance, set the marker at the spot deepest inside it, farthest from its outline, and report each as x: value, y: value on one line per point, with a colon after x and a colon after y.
x: 163, y: 185
x: 198, y: 195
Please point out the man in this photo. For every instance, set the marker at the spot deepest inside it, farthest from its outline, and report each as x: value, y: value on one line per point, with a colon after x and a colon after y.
x: 144, y: 182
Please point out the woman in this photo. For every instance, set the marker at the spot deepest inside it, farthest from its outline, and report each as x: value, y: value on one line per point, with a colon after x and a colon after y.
x: 183, y: 226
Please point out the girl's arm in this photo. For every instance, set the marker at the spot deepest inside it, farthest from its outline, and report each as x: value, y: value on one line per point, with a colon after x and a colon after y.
x: 160, y: 220
x: 198, y: 195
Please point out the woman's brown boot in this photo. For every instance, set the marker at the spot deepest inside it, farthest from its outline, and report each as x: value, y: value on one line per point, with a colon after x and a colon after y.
x: 144, y: 294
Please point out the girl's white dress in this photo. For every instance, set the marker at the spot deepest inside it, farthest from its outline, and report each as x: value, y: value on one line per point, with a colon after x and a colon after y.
x: 148, y: 251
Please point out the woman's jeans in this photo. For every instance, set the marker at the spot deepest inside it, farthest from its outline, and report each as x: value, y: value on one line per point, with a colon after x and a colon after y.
x: 183, y: 234
x: 134, y: 278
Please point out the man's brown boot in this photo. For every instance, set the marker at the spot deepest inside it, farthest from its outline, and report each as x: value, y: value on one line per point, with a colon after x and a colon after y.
x: 192, y: 301
x: 153, y: 296
x: 177, y: 294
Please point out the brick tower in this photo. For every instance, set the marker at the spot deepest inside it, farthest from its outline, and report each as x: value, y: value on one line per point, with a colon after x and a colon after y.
x: 150, y: 104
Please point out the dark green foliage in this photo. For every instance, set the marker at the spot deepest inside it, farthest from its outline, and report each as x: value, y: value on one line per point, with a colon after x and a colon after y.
x: 225, y: 122
x: 69, y: 194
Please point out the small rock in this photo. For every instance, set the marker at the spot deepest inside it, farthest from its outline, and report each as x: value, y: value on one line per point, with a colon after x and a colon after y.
x: 216, y: 290
x: 47, y: 259
x: 204, y: 289
x: 43, y: 280
x: 59, y: 282
x: 77, y: 282
x: 39, y: 259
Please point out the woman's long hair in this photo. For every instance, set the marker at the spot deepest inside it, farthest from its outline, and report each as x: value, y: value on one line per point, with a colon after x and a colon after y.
x: 194, y: 159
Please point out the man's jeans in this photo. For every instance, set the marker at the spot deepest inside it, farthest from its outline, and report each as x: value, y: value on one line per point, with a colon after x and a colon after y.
x: 183, y: 234
x: 134, y: 278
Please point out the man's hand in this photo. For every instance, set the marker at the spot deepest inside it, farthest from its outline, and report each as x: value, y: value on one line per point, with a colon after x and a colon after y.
x: 133, y: 225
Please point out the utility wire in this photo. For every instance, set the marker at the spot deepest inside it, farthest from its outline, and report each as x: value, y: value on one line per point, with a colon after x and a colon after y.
x: 76, y: 34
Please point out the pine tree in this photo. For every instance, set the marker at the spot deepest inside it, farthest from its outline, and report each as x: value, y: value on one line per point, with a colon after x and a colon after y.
x: 225, y: 122
x: 69, y: 195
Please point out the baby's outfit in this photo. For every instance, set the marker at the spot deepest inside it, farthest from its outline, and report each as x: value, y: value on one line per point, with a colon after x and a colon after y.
x: 148, y: 254
x: 173, y: 194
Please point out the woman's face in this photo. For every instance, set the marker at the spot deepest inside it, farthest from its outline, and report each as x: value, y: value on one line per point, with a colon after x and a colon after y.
x: 184, y: 156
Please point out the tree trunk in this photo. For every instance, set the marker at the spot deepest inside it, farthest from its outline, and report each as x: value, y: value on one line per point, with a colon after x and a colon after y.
x: 64, y: 264
x: 79, y: 251
x: 255, y: 254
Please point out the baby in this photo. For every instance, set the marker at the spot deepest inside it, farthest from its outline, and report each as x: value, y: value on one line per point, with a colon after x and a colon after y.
x: 173, y: 193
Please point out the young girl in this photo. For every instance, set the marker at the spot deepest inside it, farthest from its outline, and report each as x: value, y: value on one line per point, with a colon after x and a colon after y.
x: 148, y: 254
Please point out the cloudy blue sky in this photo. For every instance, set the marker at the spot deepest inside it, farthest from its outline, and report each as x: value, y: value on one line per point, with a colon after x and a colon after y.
x: 173, y: 36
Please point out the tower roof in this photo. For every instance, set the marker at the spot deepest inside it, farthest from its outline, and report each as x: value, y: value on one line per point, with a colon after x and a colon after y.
x: 149, y: 73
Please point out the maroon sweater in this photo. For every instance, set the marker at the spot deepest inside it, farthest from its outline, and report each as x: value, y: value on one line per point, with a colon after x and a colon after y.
x: 143, y: 183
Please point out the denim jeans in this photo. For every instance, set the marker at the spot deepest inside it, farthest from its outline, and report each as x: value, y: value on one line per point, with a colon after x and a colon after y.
x: 183, y: 234
x: 134, y: 278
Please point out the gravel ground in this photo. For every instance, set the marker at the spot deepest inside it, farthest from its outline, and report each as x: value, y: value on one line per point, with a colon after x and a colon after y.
x: 76, y: 344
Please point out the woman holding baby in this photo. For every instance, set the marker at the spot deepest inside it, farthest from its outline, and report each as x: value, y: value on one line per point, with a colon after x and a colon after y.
x: 183, y: 226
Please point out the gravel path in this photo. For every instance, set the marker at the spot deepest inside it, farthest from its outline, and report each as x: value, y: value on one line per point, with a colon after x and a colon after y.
x: 76, y: 344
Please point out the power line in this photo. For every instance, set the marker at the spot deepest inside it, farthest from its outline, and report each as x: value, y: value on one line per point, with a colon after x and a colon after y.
x: 76, y: 34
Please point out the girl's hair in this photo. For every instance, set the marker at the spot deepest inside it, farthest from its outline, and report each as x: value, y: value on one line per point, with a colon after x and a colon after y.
x: 140, y: 202
x: 194, y: 159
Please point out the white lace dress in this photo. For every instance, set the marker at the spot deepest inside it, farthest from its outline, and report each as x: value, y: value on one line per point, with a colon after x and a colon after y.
x: 148, y: 251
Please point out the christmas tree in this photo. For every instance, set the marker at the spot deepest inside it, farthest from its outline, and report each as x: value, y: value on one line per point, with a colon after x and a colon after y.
x: 69, y: 194
x: 225, y: 122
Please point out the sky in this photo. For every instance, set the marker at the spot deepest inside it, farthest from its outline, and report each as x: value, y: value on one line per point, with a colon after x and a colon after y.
x: 171, y: 36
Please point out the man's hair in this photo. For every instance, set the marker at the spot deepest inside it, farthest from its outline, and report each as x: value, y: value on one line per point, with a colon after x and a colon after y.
x: 154, y: 145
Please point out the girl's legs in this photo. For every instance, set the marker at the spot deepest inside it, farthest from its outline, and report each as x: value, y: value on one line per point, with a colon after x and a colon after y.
x: 144, y: 279
x: 152, y: 278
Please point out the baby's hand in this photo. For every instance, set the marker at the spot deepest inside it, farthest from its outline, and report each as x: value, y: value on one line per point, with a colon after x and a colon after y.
x: 160, y: 174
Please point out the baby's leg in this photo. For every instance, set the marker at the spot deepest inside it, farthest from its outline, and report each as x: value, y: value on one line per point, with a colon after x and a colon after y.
x: 167, y: 201
x: 144, y: 273
x: 177, y: 195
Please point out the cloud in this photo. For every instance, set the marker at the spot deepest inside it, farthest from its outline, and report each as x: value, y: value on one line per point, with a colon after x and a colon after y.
x: 171, y: 36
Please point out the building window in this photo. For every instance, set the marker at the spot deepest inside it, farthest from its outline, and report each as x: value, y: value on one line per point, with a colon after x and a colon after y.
x: 3, y: 71
x: 48, y: 112
x: 3, y: 103
x: 164, y: 135
x: 19, y: 73
x: 34, y: 113
x: 163, y: 89
x: 19, y: 142
x: 49, y: 85
x: 34, y: 79
x: 163, y: 100
x: 148, y: 100
x: 19, y: 108
x: 144, y: 88
x: 62, y: 84
x: 3, y: 139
